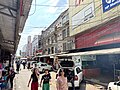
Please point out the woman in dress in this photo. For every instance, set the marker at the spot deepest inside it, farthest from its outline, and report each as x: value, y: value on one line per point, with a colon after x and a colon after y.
x: 34, y: 77
x: 62, y: 81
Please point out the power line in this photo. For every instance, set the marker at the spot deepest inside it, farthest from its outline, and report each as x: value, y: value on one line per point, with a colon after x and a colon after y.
x: 44, y: 5
x: 74, y: 20
x: 34, y: 10
x: 83, y: 18
x: 80, y: 24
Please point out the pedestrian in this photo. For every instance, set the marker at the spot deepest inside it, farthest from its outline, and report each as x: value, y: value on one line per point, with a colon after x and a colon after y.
x: 34, y: 77
x: 18, y: 66
x: 46, y: 80
x: 70, y: 78
x: 24, y: 64
x: 10, y: 78
x: 62, y: 81
x: 28, y: 66
x: 3, y: 80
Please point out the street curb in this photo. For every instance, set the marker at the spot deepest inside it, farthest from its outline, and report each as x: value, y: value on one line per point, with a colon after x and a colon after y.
x: 96, y: 82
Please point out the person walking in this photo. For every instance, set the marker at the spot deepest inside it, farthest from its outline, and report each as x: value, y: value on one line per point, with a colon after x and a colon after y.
x: 24, y: 64
x: 10, y: 78
x: 62, y: 81
x: 28, y: 67
x: 18, y: 66
x: 46, y: 80
x: 34, y: 77
x: 70, y: 78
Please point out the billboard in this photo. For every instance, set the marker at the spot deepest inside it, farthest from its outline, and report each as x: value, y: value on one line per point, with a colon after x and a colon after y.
x: 109, y: 4
x: 83, y: 15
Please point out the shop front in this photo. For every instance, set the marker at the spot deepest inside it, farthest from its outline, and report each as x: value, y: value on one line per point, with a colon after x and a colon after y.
x: 105, y: 36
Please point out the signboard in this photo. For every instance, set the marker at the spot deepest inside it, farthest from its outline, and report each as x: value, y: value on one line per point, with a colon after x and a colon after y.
x: 109, y: 4
x: 82, y: 16
x: 78, y: 2
x: 88, y: 57
x: 77, y: 59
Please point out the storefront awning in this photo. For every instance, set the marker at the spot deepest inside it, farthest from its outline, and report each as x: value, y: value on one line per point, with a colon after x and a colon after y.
x: 96, y: 52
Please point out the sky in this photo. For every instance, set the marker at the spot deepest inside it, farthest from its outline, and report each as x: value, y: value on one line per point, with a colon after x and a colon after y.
x: 41, y: 16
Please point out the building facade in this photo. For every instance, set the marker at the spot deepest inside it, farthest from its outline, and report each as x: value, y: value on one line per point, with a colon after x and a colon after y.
x: 94, y: 23
x: 49, y: 40
x: 24, y: 51
x: 56, y: 36
x: 96, y: 26
x: 36, y: 45
x: 65, y: 42
x: 29, y: 46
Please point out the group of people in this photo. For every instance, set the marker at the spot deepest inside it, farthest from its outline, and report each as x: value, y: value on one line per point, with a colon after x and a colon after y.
x: 18, y: 63
x: 45, y: 80
x: 6, y: 79
x: 61, y: 83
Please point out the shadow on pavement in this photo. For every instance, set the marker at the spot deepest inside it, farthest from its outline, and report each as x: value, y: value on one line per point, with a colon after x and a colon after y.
x: 82, y: 86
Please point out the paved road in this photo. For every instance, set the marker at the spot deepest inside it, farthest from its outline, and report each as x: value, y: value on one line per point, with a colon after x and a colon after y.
x: 21, y: 81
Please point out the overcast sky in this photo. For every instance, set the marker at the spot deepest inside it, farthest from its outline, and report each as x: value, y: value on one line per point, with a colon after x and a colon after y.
x: 41, y: 15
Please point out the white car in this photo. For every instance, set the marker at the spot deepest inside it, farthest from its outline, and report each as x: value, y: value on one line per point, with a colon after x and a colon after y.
x: 42, y: 66
x: 76, y: 71
x: 32, y: 64
x: 114, y: 86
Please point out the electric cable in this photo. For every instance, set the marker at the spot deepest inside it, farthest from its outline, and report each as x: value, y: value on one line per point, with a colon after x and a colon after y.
x: 34, y: 10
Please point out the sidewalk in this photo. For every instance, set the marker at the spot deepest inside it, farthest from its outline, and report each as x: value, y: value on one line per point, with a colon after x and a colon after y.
x: 21, y: 80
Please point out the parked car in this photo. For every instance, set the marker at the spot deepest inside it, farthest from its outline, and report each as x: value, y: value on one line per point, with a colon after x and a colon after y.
x: 114, y: 86
x: 75, y: 68
x: 32, y: 64
x: 42, y: 66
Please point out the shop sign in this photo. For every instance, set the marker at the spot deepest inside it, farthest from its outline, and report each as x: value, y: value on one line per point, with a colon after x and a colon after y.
x: 109, y: 4
x: 88, y: 57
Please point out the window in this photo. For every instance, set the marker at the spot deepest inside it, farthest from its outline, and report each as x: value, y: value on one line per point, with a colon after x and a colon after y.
x: 68, y: 31
x: 64, y: 47
x: 52, y: 39
x: 78, y: 70
x: 69, y: 45
x: 64, y: 33
x: 48, y: 41
x: 52, y: 50
x: 43, y: 64
x: 88, y: 14
x: 39, y: 44
x: 48, y: 50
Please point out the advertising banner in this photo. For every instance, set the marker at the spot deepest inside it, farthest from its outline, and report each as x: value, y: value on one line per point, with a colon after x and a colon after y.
x: 109, y: 4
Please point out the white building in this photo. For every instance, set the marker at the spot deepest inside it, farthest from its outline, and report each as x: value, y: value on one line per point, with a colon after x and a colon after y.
x: 24, y: 51
x: 29, y: 46
x: 36, y: 44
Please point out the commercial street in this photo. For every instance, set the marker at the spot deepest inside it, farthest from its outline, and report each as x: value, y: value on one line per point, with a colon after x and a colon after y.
x: 21, y: 81
x: 81, y: 38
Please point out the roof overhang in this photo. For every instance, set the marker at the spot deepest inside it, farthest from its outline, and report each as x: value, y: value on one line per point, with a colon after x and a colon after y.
x: 96, y: 52
x: 13, y: 15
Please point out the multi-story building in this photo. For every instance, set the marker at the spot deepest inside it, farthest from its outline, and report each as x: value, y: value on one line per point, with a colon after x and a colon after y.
x: 24, y: 51
x: 65, y: 42
x: 49, y: 40
x: 36, y: 44
x: 40, y: 44
x: 94, y: 22
x: 56, y: 37
x: 96, y: 25
x: 29, y: 46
